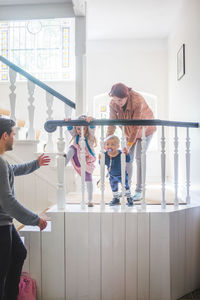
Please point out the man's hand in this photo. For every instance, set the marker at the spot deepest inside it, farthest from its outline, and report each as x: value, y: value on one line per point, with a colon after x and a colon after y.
x: 44, y: 160
x: 42, y: 224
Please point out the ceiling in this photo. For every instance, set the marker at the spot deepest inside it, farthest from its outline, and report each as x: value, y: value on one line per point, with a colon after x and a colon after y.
x: 123, y: 19
x: 111, y: 19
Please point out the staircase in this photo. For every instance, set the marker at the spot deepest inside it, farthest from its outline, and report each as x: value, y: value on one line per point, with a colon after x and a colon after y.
x: 36, y: 191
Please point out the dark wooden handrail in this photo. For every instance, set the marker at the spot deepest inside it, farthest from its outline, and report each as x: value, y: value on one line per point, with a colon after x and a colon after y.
x: 38, y: 82
x: 51, y: 126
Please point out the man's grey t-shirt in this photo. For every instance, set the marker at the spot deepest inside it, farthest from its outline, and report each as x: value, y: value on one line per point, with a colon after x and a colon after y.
x: 9, y: 206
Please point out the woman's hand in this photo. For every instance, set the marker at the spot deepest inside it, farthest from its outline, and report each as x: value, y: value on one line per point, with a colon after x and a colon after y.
x: 125, y: 151
x: 67, y: 119
x: 89, y: 119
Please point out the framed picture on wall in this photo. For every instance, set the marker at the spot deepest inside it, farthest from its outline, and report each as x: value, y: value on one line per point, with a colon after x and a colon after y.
x: 181, y: 62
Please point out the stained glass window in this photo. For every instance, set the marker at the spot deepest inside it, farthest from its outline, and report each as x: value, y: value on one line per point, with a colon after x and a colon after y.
x: 44, y: 48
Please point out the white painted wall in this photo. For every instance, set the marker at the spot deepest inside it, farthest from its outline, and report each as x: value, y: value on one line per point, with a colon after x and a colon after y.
x: 184, y: 101
x: 141, y: 64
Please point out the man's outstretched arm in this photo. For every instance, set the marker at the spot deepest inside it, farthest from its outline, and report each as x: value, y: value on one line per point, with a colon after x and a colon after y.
x: 10, y: 206
x: 27, y: 168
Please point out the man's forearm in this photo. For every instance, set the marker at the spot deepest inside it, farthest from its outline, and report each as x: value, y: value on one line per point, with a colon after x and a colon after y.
x: 26, y: 168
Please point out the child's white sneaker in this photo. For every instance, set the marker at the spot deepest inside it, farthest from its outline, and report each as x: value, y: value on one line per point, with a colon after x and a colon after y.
x: 137, y: 196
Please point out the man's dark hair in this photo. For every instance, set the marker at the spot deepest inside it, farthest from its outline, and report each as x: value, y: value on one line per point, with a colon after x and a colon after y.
x: 6, y: 125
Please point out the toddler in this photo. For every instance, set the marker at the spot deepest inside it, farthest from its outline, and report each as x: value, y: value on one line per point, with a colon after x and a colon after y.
x: 113, y: 163
x: 74, y: 153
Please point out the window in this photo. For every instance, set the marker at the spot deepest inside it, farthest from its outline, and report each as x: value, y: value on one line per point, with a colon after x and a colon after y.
x: 44, y: 48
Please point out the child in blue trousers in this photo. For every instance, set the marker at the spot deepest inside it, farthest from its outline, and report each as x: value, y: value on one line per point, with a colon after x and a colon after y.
x: 113, y: 163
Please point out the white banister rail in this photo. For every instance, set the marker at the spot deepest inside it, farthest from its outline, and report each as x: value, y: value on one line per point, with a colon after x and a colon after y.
x: 123, y: 167
x: 82, y: 168
x: 143, y: 158
x: 12, y: 76
x: 51, y: 126
x: 188, y: 166
x: 163, y: 162
x: 176, y: 201
x: 31, y: 110
x: 49, y: 102
x: 61, y: 195
x: 102, y: 166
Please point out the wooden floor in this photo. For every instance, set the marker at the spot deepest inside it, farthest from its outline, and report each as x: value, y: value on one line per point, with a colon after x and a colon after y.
x: 153, y: 194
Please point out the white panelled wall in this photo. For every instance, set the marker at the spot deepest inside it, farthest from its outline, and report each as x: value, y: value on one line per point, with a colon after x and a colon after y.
x: 113, y: 254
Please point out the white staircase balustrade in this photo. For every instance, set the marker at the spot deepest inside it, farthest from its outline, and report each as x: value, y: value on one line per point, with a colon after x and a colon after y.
x: 102, y: 166
x: 12, y: 76
x: 32, y: 82
x: 49, y: 102
x: 188, y: 166
x: 163, y: 167
x: 61, y: 194
x: 51, y: 125
x: 123, y: 167
x: 31, y: 110
x: 68, y: 111
x: 176, y: 167
x: 143, y: 158
x: 82, y: 168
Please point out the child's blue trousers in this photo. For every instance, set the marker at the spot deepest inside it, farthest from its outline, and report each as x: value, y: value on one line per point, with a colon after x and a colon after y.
x: 114, y: 180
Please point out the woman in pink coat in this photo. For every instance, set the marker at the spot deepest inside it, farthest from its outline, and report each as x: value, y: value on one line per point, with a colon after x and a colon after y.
x: 130, y: 105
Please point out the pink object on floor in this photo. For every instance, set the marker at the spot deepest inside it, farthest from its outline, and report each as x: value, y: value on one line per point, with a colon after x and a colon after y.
x: 27, y: 287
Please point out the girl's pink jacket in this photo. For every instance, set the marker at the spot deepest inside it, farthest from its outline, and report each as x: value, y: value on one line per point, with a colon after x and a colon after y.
x: 89, y: 157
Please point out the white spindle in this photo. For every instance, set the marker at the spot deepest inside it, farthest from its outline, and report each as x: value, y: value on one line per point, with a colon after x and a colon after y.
x: 102, y: 161
x: 31, y: 109
x: 68, y: 111
x: 16, y: 130
x: 176, y: 166
x: 143, y: 158
x: 188, y: 166
x: 49, y: 102
x: 163, y: 161
x: 82, y: 167
x: 12, y: 95
x: 123, y: 167
x: 61, y: 171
